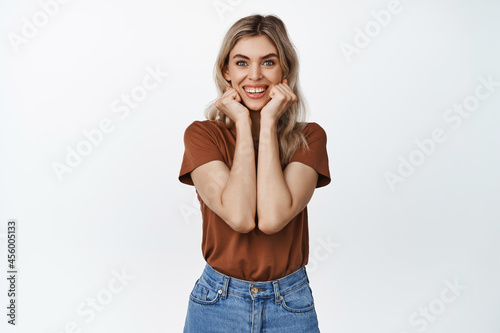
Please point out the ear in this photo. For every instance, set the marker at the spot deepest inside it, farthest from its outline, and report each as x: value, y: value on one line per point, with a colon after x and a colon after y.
x: 225, y: 72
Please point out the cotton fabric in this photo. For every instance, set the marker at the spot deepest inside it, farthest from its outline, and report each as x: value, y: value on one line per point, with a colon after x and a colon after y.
x: 254, y: 256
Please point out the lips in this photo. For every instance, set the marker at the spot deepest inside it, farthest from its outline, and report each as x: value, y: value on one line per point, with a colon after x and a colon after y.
x: 255, y: 91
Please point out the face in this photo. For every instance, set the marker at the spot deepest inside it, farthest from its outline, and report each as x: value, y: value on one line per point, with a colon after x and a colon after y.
x: 253, y: 68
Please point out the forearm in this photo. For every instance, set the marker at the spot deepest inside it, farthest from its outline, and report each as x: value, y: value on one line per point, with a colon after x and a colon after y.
x: 240, y: 190
x: 274, y: 199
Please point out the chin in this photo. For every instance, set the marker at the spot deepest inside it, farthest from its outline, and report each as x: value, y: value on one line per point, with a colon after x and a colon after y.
x: 255, y: 106
x: 255, y: 109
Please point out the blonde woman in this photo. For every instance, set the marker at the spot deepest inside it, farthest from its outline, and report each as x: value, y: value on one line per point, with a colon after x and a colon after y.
x: 255, y: 164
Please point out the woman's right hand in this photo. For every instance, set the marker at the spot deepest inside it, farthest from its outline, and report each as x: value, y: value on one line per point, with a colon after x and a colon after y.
x: 230, y: 104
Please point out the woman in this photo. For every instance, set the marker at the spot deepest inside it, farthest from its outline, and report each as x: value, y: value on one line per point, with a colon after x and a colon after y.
x: 255, y: 165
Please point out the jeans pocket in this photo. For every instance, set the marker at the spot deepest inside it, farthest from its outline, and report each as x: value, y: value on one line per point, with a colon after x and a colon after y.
x: 298, y: 300
x: 204, y: 293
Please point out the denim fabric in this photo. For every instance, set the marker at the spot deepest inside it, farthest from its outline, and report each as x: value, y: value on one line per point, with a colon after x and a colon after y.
x: 219, y: 303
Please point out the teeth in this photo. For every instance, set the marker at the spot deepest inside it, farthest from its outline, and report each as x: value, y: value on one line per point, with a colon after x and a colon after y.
x: 255, y: 90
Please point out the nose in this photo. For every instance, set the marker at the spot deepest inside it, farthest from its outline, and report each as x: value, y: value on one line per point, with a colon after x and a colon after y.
x: 255, y: 73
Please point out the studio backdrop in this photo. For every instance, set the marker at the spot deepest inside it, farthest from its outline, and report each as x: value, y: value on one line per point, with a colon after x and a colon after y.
x: 98, y: 235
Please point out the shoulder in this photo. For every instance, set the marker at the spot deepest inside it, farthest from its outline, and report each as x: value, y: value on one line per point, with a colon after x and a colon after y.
x: 314, y: 131
x: 204, y: 127
x: 200, y: 124
x: 313, y: 126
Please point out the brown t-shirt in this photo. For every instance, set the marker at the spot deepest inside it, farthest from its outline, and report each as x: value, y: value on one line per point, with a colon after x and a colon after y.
x: 254, y: 256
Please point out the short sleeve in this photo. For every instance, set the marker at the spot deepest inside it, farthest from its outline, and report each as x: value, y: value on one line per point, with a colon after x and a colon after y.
x: 317, y: 156
x: 200, y: 146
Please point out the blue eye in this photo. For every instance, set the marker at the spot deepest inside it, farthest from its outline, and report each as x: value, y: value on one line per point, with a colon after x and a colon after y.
x: 239, y: 63
x: 269, y: 62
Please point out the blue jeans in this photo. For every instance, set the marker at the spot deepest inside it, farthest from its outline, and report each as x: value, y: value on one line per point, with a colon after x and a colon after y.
x: 219, y: 303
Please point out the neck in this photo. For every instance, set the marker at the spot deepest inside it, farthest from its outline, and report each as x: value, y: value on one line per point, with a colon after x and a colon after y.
x: 255, y: 117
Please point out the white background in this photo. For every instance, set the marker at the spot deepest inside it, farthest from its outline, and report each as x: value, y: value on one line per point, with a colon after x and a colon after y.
x: 379, y: 255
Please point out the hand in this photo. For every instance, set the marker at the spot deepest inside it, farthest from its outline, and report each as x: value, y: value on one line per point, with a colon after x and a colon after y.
x: 282, y: 97
x: 230, y: 104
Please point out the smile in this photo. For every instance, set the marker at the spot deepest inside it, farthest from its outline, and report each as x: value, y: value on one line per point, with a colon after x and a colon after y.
x: 255, y: 92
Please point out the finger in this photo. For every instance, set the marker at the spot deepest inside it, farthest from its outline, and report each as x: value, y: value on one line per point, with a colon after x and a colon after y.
x: 233, y: 94
x: 286, y: 88
x: 280, y: 89
x: 237, y: 96
x: 271, y: 90
x: 229, y: 92
x: 283, y: 92
x: 285, y: 85
x: 288, y: 93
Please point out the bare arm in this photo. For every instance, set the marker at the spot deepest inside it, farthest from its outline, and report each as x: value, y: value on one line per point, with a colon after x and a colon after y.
x: 281, y: 195
x: 231, y: 194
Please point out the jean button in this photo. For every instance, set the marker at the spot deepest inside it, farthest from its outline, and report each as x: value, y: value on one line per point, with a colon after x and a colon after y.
x: 254, y: 290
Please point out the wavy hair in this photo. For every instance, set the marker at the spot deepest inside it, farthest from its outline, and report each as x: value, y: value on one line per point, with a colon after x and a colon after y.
x: 291, y: 124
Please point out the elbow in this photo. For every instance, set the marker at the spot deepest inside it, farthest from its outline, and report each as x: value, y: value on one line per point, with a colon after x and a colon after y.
x: 270, y: 227
x: 244, y: 225
x: 273, y: 222
x: 244, y: 228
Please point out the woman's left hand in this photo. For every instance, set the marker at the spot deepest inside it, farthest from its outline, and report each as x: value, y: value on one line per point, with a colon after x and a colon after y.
x: 282, y: 97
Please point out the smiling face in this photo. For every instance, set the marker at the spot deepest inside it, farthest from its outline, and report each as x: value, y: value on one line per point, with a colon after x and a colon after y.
x: 253, y: 67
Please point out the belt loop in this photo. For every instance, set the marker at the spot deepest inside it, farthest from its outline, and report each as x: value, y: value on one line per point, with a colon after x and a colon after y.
x: 225, y: 287
x: 276, y: 292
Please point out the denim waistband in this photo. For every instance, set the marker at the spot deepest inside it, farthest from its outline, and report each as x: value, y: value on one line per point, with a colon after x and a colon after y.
x: 275, y: 288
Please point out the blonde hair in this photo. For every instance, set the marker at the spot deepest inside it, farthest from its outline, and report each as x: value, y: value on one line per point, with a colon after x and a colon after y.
x: 292, y: 123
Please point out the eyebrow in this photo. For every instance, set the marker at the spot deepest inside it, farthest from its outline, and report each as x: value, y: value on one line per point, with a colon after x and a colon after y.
x: 270, y: 55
